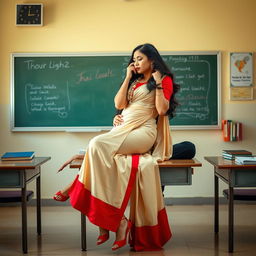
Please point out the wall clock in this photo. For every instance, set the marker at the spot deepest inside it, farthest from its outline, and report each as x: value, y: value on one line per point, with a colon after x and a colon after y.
x: 29, y: 14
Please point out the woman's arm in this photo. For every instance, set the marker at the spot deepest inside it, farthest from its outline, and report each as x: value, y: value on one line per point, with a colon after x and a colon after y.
x: 162, y: 104
x: 121, y: 96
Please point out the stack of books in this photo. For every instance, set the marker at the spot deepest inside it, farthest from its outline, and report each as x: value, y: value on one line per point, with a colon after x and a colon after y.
x: 232, y: 130
x: 245, y: 160
x: 231, y: 154
x: 18, y: 156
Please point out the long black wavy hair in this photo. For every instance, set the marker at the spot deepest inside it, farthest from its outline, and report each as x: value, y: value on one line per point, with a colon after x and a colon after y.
x: 152, y: 53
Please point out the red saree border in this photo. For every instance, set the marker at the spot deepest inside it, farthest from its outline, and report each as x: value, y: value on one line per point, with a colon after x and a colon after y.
x: 135, y: 165
x: 99, y: 212
x: 151, y: 238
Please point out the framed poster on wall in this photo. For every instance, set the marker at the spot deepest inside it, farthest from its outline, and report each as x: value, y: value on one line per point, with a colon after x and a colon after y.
x: 241, y: 69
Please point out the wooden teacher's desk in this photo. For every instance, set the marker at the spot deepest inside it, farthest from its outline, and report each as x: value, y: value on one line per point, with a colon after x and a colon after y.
x: 17, y: 174
x: 235, y: 176
x: 172, y: 172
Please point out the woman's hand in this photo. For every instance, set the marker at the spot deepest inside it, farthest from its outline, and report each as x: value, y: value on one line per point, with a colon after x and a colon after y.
x: 121, y: 96
x: 118, y: 120
x: 157, y: 77
x: 130, y: 70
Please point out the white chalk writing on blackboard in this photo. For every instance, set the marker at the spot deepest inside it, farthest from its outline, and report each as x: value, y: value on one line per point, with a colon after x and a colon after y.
x: 83, y: 77
x: 97, y: 75
x: 45, y: 98
x: 191, y: 104
x: 55, y: 65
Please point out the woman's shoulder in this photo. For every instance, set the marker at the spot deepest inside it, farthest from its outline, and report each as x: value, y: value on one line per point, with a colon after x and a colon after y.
x: 167, y: 82
x: 167, y: 79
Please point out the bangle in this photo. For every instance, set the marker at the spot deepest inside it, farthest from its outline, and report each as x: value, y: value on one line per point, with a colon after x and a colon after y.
x: 159, y: 88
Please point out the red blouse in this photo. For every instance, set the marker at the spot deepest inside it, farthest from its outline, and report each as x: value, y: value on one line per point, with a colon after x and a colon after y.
x: 167, y: 85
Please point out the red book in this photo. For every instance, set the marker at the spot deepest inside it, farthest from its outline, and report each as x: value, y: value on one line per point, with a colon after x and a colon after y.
x: 240, y: 134
x: 225, y: 130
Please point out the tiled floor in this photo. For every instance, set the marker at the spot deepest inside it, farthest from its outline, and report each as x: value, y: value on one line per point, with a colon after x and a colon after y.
x: 192, y: 228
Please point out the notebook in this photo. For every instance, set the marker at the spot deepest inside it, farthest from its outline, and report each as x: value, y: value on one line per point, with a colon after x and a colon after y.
x: 8, y: 156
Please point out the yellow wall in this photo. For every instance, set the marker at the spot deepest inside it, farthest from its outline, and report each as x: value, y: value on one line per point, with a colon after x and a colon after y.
x: 119, y: 25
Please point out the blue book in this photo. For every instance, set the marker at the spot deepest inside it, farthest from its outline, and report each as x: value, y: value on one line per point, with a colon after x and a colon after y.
x: 8, y: 156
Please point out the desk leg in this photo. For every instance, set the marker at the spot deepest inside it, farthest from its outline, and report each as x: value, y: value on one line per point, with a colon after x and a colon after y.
x: 38, y: 205
x: 216, y: 204
x: 231, y: 220
x: 24, y: 219
x: 83, y: 232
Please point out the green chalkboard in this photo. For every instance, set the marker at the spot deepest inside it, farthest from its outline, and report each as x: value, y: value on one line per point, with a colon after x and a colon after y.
x: 65, y: 92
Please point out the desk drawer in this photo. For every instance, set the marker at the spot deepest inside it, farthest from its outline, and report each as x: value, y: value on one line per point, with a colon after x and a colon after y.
x: 244, y: 178
x: 10, y: 179
x: 17, y: 178
x: 176, y: 175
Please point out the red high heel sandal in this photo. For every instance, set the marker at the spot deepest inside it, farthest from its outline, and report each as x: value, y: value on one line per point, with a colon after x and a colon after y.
x: 122, y: 243
x: 60, y: 197
x: 102, y: 238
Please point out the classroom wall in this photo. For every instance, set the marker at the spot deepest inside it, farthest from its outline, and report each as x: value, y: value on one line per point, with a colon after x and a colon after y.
x: 119, y: 25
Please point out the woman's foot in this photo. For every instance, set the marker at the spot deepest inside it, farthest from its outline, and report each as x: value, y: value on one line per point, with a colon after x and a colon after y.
x: 103, y: 237
x: 122, y: 233
x: 61, y: 196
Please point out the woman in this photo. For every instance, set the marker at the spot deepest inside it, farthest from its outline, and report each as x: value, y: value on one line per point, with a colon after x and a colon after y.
x: 122, y: 164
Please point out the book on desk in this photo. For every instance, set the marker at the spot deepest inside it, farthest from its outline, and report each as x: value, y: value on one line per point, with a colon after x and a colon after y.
x: 18, y: 156
x: 230, y: 154
x: 246, y: 160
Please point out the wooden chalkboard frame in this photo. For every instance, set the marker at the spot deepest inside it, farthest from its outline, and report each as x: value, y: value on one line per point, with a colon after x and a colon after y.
x: 106, y: 128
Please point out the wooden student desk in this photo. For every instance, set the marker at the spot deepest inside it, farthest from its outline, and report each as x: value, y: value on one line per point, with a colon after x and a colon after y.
x: 172, y: 172
x: 17, y: 174
x: 235, y: 176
